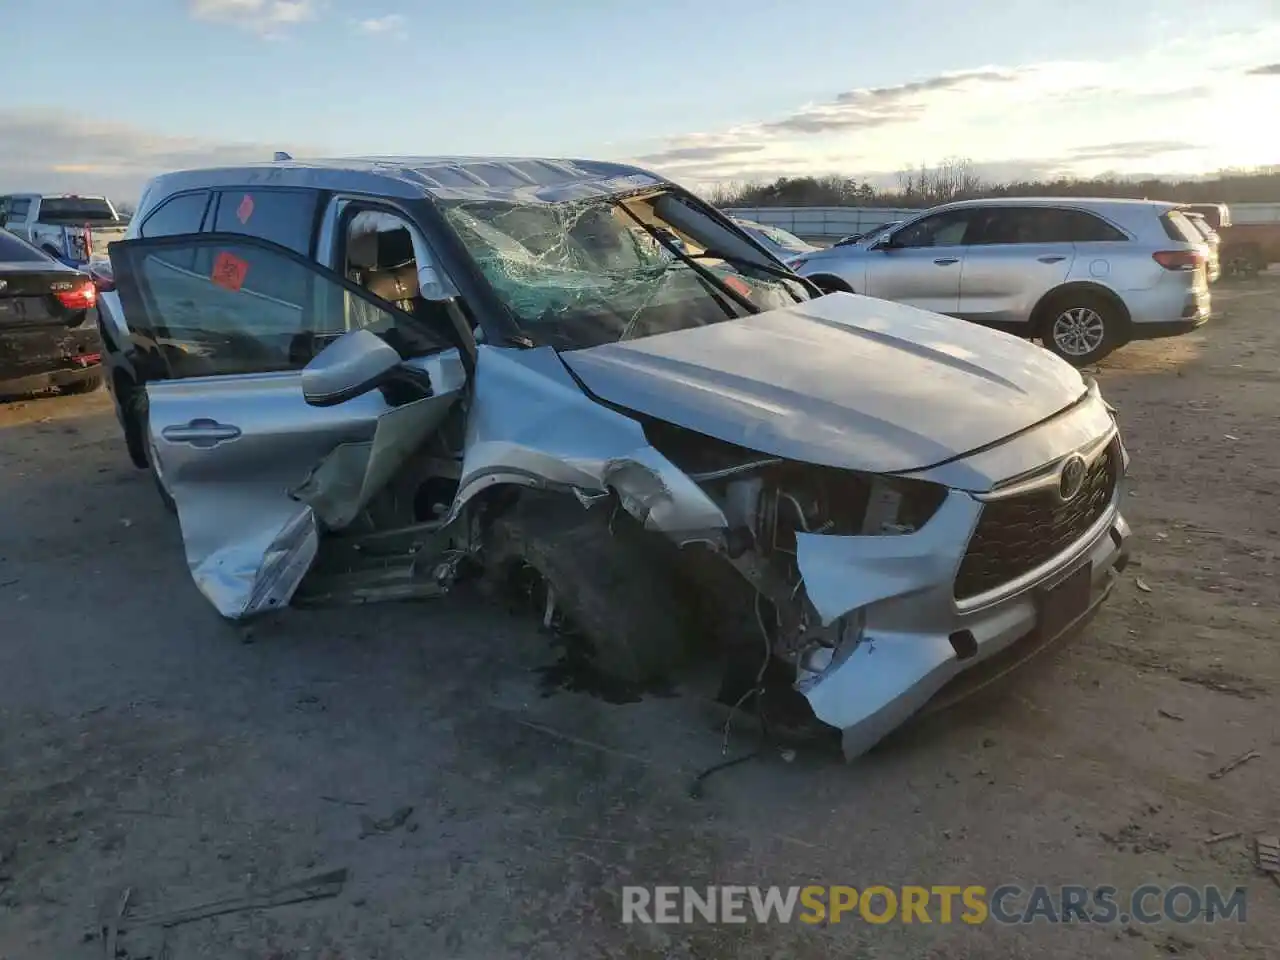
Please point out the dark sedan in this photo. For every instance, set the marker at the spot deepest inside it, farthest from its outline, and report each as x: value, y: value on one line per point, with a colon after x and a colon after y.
x: 48, y: 332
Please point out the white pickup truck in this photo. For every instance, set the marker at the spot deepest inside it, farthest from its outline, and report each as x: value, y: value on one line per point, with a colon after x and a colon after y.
x: 73, y: 229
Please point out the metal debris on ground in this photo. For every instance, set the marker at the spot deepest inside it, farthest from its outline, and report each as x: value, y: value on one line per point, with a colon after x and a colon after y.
x: 1230, y: 765
x: 317, y: 887
x: 1220, y: 837
x: 111, y: 932
x: 1268, y: 854
x: 370, y: 826
x: 1141, y: 585
x: 1170, y: 715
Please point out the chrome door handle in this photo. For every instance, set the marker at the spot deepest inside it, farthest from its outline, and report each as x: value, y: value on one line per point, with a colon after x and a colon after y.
x: 1054, y: 258
x: 200, y: 432
x: 946, y: 261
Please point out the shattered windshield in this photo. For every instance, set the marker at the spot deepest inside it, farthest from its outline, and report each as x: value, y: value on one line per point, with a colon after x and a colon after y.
x: 582, y: 273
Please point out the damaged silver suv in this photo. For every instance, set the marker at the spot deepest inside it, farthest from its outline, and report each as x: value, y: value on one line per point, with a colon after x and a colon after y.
x: 365, y: 379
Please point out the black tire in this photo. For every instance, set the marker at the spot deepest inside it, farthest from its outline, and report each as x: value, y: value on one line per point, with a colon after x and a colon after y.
x: 1081, y: 327
x: 829, y: 284
x: 86, y: 384
x: 614, y: 586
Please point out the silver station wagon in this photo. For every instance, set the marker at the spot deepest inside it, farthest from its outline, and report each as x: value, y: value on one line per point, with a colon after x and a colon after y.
x: 369, y: 379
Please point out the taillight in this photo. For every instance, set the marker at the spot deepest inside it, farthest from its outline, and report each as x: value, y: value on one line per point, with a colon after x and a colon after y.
x: 81, y: 298
x: 1178, y: 259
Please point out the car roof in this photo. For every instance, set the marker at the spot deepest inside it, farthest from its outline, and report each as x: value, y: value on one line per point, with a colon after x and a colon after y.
x: 528, y: 179
x: 1086, y: 203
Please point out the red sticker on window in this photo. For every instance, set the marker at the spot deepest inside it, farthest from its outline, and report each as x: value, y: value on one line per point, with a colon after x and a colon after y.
x: 229, y: 271
x: 738, y: 286
x: 245, y: 210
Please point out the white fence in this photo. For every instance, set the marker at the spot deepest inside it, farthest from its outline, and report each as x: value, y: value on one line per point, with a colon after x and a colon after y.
x: 823, y: 223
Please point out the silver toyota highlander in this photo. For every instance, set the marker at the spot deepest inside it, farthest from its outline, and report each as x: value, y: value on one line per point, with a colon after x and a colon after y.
x: 369, y: 379
x: 1084, y: 276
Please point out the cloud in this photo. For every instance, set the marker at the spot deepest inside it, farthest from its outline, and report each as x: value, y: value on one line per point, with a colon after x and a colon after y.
x: 1134, y: 149
x: 59, y: 152
x: 878, y: 106
x: 1266, y: 70
x: 260, y: 16
x: 385, y: 24
x: 699, y: 154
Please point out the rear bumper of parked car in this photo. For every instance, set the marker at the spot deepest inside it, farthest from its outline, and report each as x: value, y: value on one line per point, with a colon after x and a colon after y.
x: 914, y: 644
x: 1169, y: 312
x: 48, y: 357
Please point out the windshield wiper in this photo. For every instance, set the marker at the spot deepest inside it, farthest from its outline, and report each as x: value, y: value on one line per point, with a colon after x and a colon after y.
x: 707, y: 276
x: 782, y: 272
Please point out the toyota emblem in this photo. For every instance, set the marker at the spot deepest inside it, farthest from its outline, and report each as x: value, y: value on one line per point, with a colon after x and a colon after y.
x: 1071, y: 476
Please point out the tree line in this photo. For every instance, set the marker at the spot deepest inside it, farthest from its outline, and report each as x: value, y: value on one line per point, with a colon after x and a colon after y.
x: 959, y: 179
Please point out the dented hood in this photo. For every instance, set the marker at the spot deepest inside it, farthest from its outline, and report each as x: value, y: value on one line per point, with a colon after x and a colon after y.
x: 844, y: 381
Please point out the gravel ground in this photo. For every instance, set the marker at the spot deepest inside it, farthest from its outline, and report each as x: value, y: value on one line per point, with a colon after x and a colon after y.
x: 145, y: 744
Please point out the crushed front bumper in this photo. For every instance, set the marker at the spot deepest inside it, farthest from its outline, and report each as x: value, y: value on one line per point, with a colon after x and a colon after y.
x: 915, y: 636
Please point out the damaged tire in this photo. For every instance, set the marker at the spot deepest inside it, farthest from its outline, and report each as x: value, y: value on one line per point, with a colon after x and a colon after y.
x: 613, y: 586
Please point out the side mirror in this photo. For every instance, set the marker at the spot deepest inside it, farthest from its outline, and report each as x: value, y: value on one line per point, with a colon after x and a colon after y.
x: 884, y: 243
x: 353, y: 364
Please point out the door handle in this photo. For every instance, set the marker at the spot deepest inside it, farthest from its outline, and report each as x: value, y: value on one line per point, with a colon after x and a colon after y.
x: 946, y: 261
x: 201, y: 432
x: 1052, y: 258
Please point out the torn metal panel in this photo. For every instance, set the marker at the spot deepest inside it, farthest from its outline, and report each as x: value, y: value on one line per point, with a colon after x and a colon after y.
x: 530, y: 424
x: 343, y: 483
x: 230, y: 449
x: 898, y: 595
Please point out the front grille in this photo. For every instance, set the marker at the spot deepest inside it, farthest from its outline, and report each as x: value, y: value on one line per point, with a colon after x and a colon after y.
x: 1018, y: 534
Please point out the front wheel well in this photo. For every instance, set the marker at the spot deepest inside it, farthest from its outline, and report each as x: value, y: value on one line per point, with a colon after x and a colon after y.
x: 1059, y: 296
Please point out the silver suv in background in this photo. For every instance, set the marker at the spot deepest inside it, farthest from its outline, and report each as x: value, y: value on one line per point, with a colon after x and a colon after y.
x: 1084, y: 276
x: 1211, y: 237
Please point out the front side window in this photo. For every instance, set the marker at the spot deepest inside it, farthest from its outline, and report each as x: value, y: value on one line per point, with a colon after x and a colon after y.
x: 16, y: 210
x: 582, y: 273
x: 940, y: 230
x: 228, y: 320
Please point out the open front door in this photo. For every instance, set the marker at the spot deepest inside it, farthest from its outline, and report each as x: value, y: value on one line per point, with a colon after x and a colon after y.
x: 224, y: 325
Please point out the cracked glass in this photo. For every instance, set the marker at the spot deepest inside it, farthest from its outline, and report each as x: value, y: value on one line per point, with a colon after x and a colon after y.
x: 586, y: 272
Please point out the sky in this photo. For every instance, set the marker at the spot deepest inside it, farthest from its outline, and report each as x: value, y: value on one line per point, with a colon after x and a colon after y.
x: 99, y: 96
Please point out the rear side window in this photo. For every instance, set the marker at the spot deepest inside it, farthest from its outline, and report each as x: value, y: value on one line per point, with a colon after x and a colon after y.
x: 1014, y: 225
x: 13, y: 250
x: 1081, y: 227
x: 286, y: 217
x: 180, y: 214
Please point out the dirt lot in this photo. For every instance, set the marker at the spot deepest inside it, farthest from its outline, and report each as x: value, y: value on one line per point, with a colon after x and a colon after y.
x: 146, y: 744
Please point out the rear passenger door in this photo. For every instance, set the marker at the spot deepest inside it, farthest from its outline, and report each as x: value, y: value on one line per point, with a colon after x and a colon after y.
x: 1015, y: 255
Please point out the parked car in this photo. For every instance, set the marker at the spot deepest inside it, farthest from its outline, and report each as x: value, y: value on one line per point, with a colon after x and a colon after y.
x: 783, y: 245
x: 48, y: 338
x: 68, y: 228
x: 1211, y: 238
x: 363, y: 380
x: 1084, y: 276
x: 1218, y: 215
